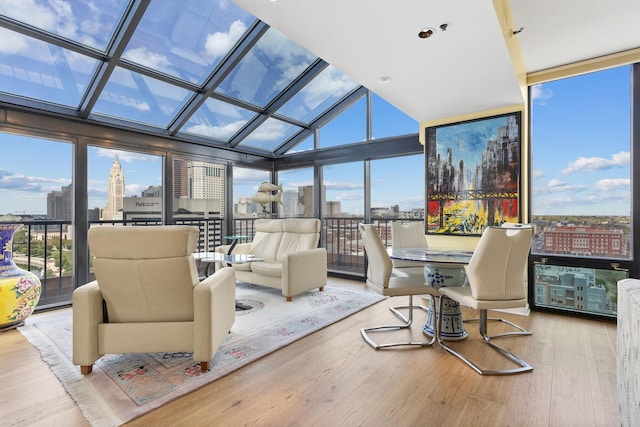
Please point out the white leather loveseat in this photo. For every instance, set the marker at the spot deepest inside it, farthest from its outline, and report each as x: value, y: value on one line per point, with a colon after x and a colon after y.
x: 292, y: 260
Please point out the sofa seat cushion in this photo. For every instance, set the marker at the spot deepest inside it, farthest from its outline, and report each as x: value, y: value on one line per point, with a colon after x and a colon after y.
x: 267, y: 268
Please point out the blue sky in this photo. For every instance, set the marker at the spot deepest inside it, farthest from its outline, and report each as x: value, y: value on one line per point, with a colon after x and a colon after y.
x: 44, y: 165
x: 581, y: 145
x: 580, y: 151
x: 580, y: 135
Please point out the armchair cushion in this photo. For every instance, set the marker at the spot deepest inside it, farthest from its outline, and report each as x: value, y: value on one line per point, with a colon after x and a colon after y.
x: 154, y: 301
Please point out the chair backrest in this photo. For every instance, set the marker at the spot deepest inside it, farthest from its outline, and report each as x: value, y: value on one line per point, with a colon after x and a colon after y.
x: 379, y: 264
x: 276, y: 238
x: 495, y: 271
x: 410, y: 235
x: 145, y: 274
x: 298, y: 234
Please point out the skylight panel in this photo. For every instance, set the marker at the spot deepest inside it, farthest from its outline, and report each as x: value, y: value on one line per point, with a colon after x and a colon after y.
x: 187, y: 39
x: 134, y: 97
x: 34, y: 69
x: 88, y: 23
x: 324, y: 91
x: 270, y: 135
x: 269, y: 67
x: 218, y: 120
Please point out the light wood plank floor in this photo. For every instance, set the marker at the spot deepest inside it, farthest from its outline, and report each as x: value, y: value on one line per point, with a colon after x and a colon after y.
x: 332, y: 378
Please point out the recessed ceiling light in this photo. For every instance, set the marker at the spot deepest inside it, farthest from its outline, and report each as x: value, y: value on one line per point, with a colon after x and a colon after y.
x: 425, y: 33
x: 384, y: 79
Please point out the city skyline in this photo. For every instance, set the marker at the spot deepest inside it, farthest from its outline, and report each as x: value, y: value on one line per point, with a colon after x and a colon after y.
x: 578, y: 165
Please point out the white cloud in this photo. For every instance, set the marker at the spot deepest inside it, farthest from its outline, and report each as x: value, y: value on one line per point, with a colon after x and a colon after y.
x: 348, y: 196
x: 555, y: 185
x: 612, y: 184
x: 538, y: 174
x: 135, y: 189
x: 621, y: 159
x: 330, y: 84
x: 149, y: 59
x: 38, y: 184
x: 245, y: 175
x: 223, y: 132
x: 540, y: 94
x: 12, y: 43
x: 270, y: 130
x: 333, y: 185
x: 218, y: 44
x: 126, y: 156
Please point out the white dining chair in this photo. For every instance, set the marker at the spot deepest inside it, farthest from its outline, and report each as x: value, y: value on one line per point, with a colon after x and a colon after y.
x: 496, y: 281
x: 409, y: 235
x: 379, y: 279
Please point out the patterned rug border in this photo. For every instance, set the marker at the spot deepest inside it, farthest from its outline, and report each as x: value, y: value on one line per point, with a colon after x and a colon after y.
x: 231, y: 355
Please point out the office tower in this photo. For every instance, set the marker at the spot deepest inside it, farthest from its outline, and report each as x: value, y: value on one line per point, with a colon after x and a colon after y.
x: 180, y: 178
x: 115, y: 192
x: 206, y: 181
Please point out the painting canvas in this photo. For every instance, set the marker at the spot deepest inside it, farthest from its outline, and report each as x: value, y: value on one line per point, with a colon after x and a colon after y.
x: 473, y: 174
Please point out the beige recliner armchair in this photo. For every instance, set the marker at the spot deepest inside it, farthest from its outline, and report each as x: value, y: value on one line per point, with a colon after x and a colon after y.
x: 147, y: 297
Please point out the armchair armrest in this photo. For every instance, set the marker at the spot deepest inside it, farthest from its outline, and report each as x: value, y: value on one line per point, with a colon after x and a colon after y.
x: 304, y: 270
x: 214, y: 302
x: 240, y: 248
x: 87, y: 315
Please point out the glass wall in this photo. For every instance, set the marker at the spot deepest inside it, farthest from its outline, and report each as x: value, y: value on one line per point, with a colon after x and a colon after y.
x: 36, y: 186
x: 348, y: 127
x: 297, y: 185
x: 581, y: 192
x: 199, y: 198
x: 343, y: 202
x: 248, y: 204
x: 125, y: 187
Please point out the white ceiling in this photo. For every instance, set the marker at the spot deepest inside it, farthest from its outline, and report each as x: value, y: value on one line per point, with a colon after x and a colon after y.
x: 462, y: 70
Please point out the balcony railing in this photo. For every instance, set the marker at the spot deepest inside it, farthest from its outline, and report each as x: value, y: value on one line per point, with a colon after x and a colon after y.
x: 45, y: 247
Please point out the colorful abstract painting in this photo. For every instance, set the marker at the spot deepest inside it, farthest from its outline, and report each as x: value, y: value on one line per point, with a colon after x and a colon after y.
x: 473, y: 174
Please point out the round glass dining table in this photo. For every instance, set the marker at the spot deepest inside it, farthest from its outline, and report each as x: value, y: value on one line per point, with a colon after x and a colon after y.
x: 442, y: 267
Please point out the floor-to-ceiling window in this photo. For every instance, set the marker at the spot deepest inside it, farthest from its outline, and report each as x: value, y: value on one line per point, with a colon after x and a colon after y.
x: 248, y: 202
x: 298, y: 193
x: 343, y: 204
x: 125, y: 187
x: 36, y: 188
x: 581, y: 190
x: 198, y: 198
x: 397, y: 192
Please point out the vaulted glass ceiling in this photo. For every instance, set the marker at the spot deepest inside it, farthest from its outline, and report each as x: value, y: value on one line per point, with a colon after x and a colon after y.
x: 202, y: 70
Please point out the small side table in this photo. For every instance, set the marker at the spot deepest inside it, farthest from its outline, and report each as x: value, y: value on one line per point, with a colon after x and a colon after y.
x: 210, y: 258
x: 234, y: 241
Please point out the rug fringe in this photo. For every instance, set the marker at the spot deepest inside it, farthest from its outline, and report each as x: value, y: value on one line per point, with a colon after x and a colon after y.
x: 95, y: 410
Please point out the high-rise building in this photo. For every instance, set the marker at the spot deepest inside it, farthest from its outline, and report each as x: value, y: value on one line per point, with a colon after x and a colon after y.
x: 115, y: 192
x: 153, y: 191
x: 305, y: 199
x: 60, y: 203
x: 180, y: 178
x: 206, y: 181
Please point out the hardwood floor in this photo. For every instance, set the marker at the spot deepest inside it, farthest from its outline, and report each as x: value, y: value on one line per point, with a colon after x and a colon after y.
x: 333, y: 378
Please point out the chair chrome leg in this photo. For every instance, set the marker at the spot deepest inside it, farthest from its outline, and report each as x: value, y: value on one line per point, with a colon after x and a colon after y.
x: 406, y: 323
x: 520, y: 330
x: 523, y: 366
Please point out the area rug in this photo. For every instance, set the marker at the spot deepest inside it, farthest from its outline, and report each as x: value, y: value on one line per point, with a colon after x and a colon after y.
x: 125, y: 386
